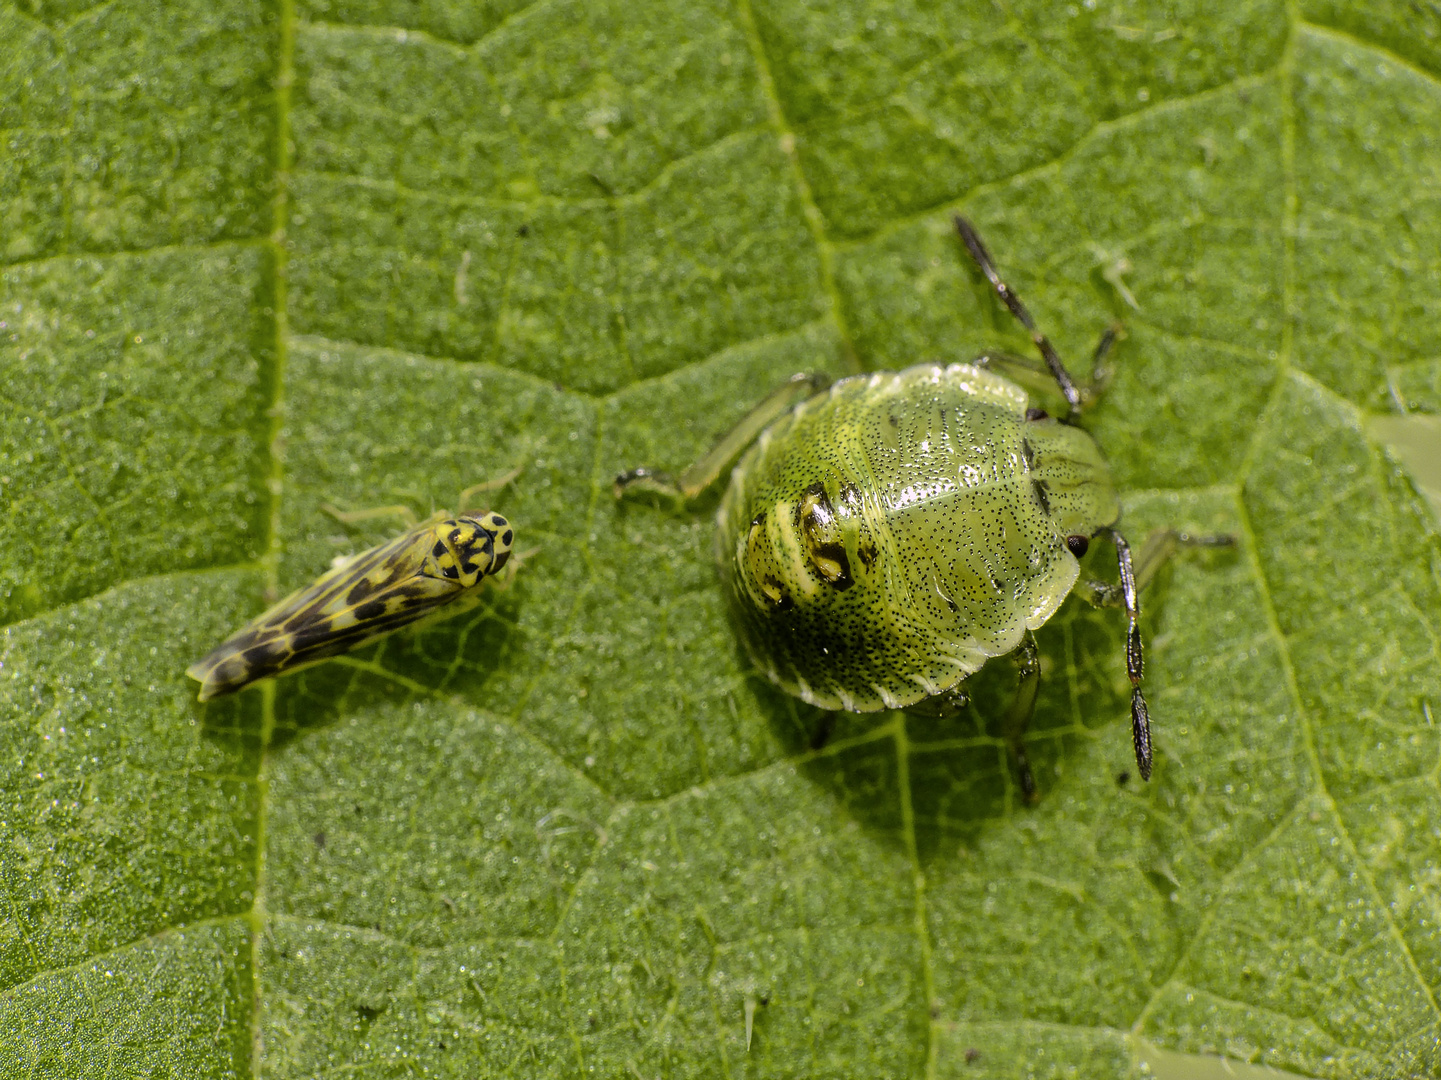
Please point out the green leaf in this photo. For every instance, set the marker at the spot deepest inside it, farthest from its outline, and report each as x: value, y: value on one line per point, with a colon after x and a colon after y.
x: 261, y: 257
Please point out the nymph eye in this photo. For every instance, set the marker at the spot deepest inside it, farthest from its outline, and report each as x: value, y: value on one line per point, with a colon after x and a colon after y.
x: 1037, y: 414
x: 1078, y: 545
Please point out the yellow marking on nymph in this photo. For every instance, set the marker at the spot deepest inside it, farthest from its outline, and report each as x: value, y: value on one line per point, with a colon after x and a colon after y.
x: 822, y: 537
x: 786, y: 541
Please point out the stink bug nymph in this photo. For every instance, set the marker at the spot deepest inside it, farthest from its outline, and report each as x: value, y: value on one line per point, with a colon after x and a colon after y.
x: 884, y: 536
x: 435, y: 569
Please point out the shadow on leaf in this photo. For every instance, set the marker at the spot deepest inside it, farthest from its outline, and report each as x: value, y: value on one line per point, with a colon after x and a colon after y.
x: 454, y: 657
x: 962, y: 776
x: 236, y: 724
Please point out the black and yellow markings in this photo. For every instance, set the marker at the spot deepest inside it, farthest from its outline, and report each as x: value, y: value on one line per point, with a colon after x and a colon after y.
x: 821, y: 533
x: 420, y: 573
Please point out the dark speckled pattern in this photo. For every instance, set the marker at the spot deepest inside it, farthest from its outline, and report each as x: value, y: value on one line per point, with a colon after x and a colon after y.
x: 883, y: 540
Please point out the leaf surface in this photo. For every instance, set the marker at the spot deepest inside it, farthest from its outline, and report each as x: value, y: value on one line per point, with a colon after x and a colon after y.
x: 258, y: 258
